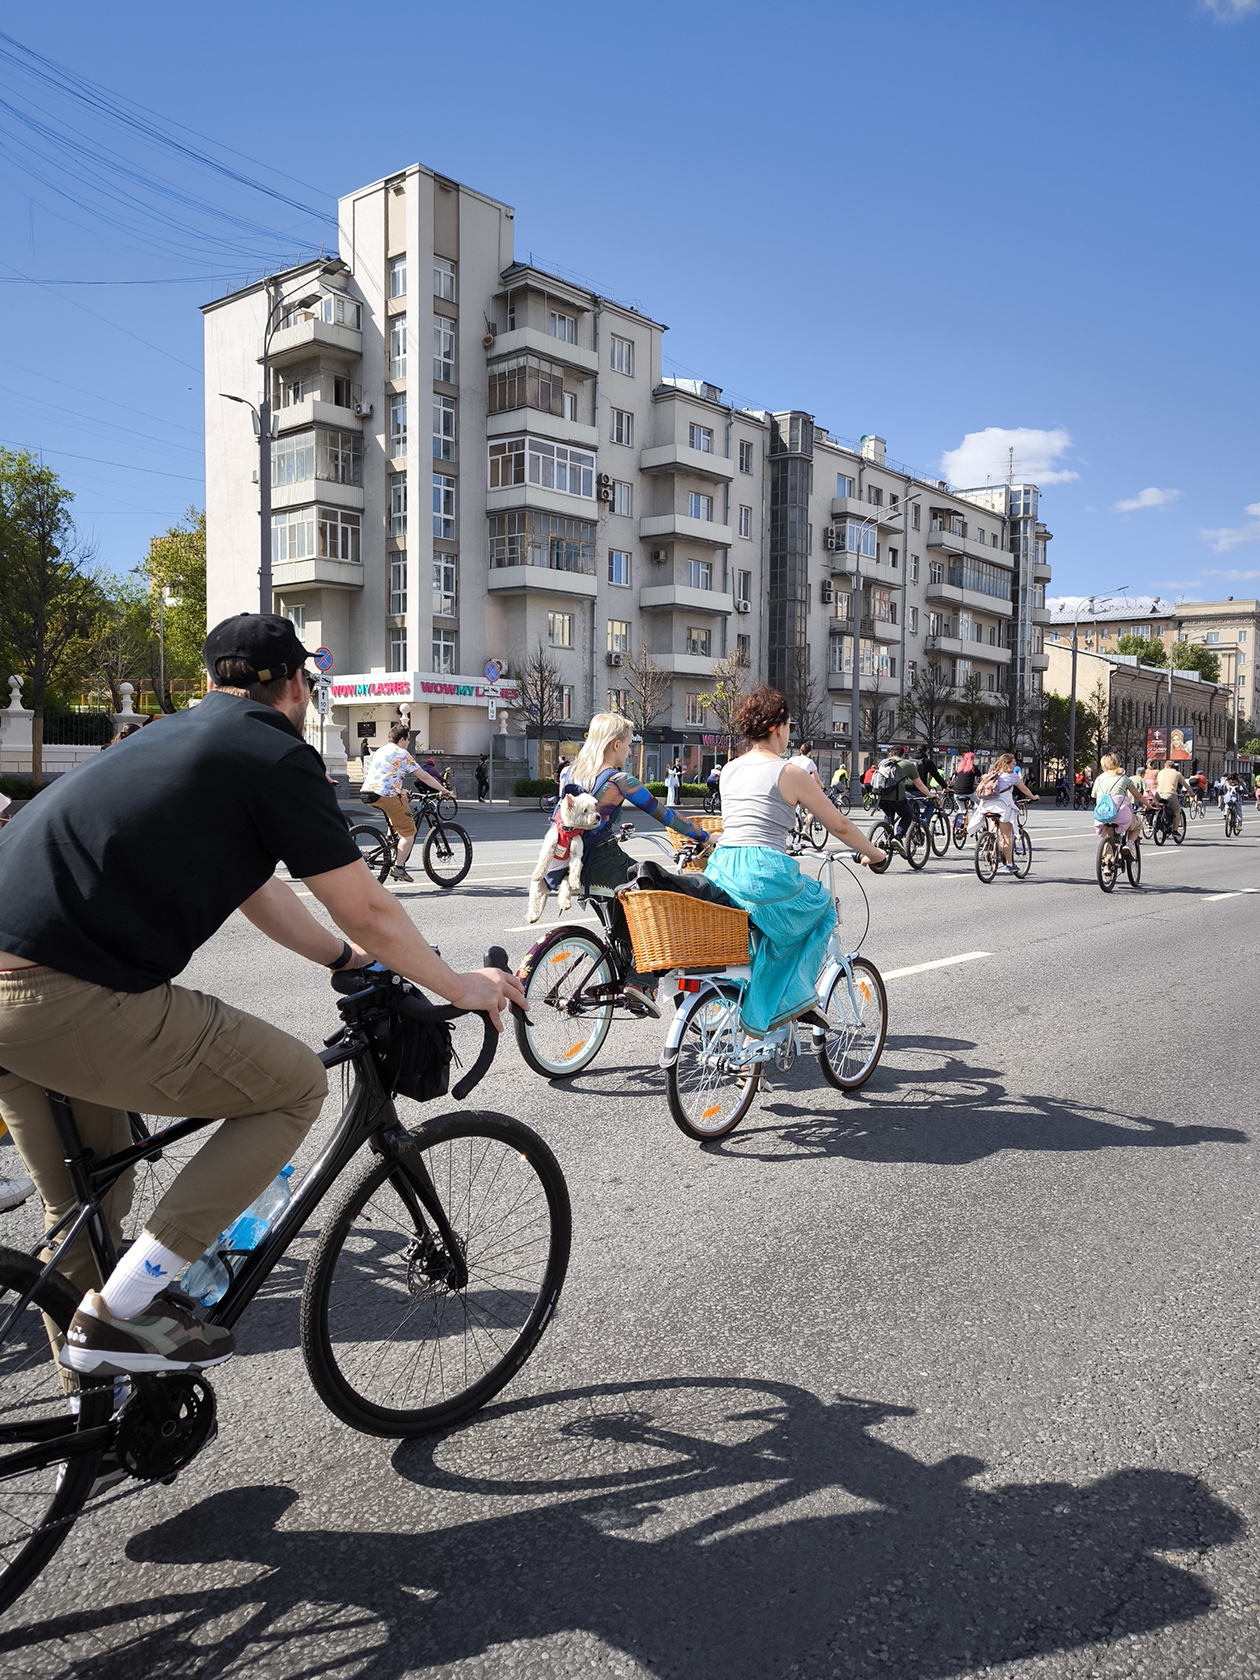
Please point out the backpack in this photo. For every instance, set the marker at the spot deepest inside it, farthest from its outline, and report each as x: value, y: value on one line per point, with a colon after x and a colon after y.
x: 988, y: 785
x: 1105, y: 808
x: 884, y: 776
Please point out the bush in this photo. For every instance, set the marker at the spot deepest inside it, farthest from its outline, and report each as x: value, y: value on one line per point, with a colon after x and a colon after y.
x: 690, y: 790
x: 533, y: 787
x: 20, y: 787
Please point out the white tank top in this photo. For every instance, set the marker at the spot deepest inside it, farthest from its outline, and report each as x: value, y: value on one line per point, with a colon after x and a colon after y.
x: 754, y: 812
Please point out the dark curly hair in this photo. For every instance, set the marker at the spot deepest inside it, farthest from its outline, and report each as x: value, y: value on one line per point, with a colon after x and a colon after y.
x: 760, y: 712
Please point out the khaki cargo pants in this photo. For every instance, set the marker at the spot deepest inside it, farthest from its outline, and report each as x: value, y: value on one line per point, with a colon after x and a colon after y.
x: 169, y: 1051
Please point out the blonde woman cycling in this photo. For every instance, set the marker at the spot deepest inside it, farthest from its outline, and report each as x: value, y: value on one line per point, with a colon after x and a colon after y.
x: 996, y: 793
x: 1128, y: 794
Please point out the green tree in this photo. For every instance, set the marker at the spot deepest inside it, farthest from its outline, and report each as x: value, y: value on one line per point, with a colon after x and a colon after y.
x: 973, y: 715
x: 922, y: 709
x: 48, y: 600
x: 176, y: 564
x: 1191, y: 656
x: 725, y: 695
x: 648, y: 688
x: 1055, y: 730
x: 1149, y: 649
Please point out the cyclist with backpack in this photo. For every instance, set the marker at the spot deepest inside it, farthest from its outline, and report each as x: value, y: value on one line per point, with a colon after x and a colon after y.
x: 1117, y: 801
x: 996, y: 793
x: 889, y: 781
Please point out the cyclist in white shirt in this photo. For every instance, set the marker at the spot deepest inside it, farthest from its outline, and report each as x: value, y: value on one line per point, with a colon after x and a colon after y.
x: 802, y: 761
x: 382, y: 788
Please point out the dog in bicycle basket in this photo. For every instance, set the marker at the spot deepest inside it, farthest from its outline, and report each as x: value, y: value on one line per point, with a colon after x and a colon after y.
x: 574, y: 814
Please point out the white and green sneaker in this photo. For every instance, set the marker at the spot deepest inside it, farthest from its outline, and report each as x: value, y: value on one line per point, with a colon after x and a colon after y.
x: 166, y: 1336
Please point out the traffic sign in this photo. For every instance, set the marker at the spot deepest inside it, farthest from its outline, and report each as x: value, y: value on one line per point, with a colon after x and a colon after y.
x: 323, y: 659
x: 321, y: 698
x: 493, y: 670
x: 491, y: 710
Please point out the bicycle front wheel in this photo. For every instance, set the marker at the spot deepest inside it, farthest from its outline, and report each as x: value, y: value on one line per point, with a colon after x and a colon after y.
x: 447, y: 807
x: 938, y: 833
x: 918, y: 846
x: 1021, y: 853
x: 447, y: 854
x: 817, y: 833
x: 392, y: 1345
x: 1179, y: 833
x: 857, y: 1025
x: 881, y: 836
x: 43, y: 1483
x: 564, y: 1026
x: 375, y: 848
x: 1133, y: 864
x: 709, y: 1090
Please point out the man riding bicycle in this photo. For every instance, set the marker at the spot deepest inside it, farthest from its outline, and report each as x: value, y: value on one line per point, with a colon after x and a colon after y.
x: 382, y: 788
x: 892, y: 777
x: 1168, y: 784
x: 109, y: 883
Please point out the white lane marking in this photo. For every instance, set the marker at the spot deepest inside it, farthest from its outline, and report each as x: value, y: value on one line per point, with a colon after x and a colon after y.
x: 941, y: 962
x: 1215, y: 898
x: 546, y: 927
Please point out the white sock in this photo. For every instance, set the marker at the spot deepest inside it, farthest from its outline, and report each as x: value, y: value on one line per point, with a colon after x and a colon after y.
x: 143, y: 1272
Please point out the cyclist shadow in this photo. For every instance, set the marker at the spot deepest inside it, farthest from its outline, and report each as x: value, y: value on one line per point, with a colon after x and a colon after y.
x: 709, y: 1528
x: 937, y: 1108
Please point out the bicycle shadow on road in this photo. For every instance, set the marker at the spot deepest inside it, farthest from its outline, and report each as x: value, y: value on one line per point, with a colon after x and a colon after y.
x: 943, y: 1110
x: 706, y: 1528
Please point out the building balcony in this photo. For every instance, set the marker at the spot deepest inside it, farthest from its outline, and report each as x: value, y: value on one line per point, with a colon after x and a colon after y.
x: 518, y: 496
x: 946, y: 542
x: 982, y: 651
x: 686, y: 664
x: 532, y: 422
x: 1040, y: 572
x: 1038, y: 661
x: 849, y: 507
x: 289, y: 575
x: 974, y: 599
x: 298, y: 342
x: 299, y: 417
x: 540, y: 580
x: 880, y: 630
x: 325, y: 491
x: 663, y: 596
x: 1039, y: 615
x: 528, y: 341
x: 676, y: 457
x: 841, y: 682
x: 682, y: 529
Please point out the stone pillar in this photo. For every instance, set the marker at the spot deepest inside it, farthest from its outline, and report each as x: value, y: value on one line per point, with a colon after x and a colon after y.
x: 15, y: 733
x: 127, y: 715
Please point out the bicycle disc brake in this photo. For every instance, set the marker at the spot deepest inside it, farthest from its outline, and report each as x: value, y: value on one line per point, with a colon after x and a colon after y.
x: 429, y: 1266
x: 164, y: 1426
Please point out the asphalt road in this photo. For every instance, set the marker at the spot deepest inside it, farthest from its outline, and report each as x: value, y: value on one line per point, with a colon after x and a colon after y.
x: 955, y: 1377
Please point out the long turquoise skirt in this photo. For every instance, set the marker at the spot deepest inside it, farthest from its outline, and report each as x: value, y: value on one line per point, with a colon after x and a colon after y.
x: 794, y: 915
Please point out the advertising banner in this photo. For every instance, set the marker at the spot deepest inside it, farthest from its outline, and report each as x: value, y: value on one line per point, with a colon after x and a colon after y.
x: 1182, y: 745
x: 1157, y: 743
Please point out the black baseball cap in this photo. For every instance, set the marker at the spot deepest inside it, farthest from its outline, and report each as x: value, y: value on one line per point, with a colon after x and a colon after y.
x: 266, y: 642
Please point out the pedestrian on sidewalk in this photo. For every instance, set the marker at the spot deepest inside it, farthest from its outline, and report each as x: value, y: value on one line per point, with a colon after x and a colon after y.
x: 483, y: 779
x: 673, y: 781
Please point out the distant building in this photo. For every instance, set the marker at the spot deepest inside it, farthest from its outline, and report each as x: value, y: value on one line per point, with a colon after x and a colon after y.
x: 1134, y: 698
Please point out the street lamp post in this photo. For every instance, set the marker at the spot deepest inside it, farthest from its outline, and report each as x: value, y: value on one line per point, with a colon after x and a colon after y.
x: 1070, y: 771
x: 263, y: 426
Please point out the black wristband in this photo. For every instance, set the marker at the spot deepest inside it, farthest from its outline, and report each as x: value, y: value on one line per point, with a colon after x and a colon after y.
x: 346, y: 954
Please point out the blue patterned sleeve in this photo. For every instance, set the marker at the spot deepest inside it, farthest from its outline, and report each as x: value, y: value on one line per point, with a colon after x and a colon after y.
x: 634, y: 793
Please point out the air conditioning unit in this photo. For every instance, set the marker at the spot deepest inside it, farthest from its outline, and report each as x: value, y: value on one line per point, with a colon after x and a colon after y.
x: 605, y: 493
x: 659, y: 556
x: 830, y: 540
x: 605, y: 479
x: 616, y: 659
x: 743, y: 606
x: 363, y: 410
x: 828, y: 594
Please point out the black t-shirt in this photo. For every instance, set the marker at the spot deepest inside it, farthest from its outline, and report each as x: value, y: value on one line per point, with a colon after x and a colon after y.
x: 118, y: 872
x: 964, y: 781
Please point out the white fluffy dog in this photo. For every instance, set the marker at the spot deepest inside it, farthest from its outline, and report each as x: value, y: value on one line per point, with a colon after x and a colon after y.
x: 563, y: 845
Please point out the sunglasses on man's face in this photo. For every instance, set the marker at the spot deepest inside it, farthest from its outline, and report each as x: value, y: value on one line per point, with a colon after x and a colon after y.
x: 311, y: 681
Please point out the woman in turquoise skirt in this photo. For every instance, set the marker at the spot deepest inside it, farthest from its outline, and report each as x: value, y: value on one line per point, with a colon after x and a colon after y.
x: 792, y: 912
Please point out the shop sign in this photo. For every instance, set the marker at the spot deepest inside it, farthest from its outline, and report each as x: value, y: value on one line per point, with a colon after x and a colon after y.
x: 437, y: 689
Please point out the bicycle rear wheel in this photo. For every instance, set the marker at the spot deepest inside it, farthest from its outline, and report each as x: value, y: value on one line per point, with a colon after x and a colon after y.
x: 42, y: 1490
x: 881, y: 835
x: 709, y: 1094
x: 918, y: 846
x: 958, y: 830
x: 857, y: 1017
x: 986, y: 854
x: 565, y: 1031
x: 1133, y: 865
x: 393, y: 1347
x: 376, y: 848
x: 938, y: 833
x: 1108, y: 862
x: 447, y: 854
x: 1021, y: 852
x: 1179, y: 833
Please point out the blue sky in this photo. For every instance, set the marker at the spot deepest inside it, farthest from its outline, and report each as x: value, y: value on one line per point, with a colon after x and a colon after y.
x: 944, y: 224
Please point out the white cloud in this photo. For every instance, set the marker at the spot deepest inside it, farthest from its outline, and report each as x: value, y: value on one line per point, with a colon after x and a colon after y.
x: 1227, y: 537
x: 1147, y: 498
x: 985, y: 457
x: 1228, y: 11
x: 1233, y: 576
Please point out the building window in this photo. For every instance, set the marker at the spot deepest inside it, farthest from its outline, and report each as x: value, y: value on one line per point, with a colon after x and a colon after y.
x: 914, y: 517
x: 621, y: 355
x: 443, y: 507
x: 693, y: 710
x: 398, y: 649
x: 699, y: 574
x: 398, y: 277
x: 881, y: 605
x: 623, y: 498
x: 619, y: 700
x: 619, y: 567
x: 570, y: 405
x: 618, y: 635
x: 294, y: 391
x: 398, y: 347
x: 526, y: 382
x: 912, y: 620
x: 936, y: 572
x: 296, y: 616
x: 701, y: 438
x: 854, y: 536
x: 1212, y: 636
x: 321, y: 453
x: 874, y: 495
x: 560, y: 629
x: 397, y: 584
x: 743, y: 650
x: 398, y: 505
x: 563, y: 327
x: 934, y: 624
x: 844, y: 485
x: 914, y: 568
x: 444, y: 279
x: 444, y: 586
x: 336, y: 308
x: 892, y: 556
x: 531, y: 538
x: 622, y: 427
x: 743, y: 587
x: 443, y: 428
x: 337, y: 534
x: 564, y: 701
x: 745, y: 456
x: 1242, y: 635
x: 444, y: 349
x: 553, y: 466
x: 699, y: 507
x: 397, y: 427
x: 700, y: 641
x: 745, y: 521
x: 308, y: 533
x: 444, y: 652
x: 345, y: 393
x: 962, y: 670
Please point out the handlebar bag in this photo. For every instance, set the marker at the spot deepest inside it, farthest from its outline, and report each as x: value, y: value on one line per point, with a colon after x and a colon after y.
x: 416, y: 1060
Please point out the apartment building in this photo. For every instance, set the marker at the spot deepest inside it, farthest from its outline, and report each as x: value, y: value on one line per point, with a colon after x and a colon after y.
x: 1134, y: 698
x: 568, y: 498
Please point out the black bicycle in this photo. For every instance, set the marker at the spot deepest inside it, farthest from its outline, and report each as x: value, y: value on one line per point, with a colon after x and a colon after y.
x: 1165, y: 826
x: 915, y: 846
x: 839, y: 795
x: 713, y: 801
x: 446, y: 853
x: 431, y: 1283
x: 1233, y: 818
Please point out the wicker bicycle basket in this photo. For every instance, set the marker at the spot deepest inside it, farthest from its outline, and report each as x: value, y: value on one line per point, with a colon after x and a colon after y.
x: 670, y: 930
x: 710, y: 825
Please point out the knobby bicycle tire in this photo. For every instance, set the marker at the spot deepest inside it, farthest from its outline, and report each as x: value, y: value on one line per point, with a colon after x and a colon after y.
x: 376, y: 848
x: 836, y: 1054
x: 379, y: 1323
x: 553, y: 1042
x: 447, y: 855
x: 35, y: 1513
